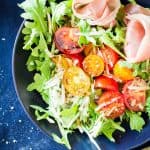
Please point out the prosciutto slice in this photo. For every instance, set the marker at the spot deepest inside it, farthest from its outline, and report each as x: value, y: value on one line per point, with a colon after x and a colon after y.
x: 98, y: 12
x: 131, y: 9
x: 137, y: 45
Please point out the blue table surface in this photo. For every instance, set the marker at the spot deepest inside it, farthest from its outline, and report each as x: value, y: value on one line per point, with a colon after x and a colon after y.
x: 17, y: 132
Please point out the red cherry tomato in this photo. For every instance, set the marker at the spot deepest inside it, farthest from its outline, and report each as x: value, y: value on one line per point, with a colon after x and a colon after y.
x: 76, y: 58
x: 106, y: 83
x: 135, y: 94
x: 111, y: 104
x: 66, y: 40
x: 110, y: 56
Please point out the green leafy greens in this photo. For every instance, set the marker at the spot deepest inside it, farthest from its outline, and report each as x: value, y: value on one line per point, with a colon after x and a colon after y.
x: 135, y: 120
x: 112, y: 37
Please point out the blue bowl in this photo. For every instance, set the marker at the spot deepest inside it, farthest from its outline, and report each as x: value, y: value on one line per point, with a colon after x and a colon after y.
x: 22, y: 78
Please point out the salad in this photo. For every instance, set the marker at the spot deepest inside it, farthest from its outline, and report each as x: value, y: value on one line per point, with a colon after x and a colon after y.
x: 91, y: 64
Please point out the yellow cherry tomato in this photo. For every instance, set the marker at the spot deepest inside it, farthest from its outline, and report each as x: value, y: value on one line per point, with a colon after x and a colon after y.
x: 76, y: 82
x: 93, y: 65
x: 121, y: 72
x: 62, y: 62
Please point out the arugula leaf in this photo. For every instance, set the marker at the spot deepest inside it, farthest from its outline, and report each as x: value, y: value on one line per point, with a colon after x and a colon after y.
x: 108, y: 128
x: 85, y: 37
x: 118, y: 35
x: 38, y: 83
x: 64, y: 140
x: 41, y: 113
x: 105, y: 126
x: 99, y: 36
x: 60, y: 12
x: 35, y: 10
x: 142, y: 70
x: 148, y: 103
x: 69, y: 115
x: 136, y: 121
x: 148, y: 106
x: 36, y: 33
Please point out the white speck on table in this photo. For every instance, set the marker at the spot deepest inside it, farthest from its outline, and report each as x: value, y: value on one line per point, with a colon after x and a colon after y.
x: 14, y: 141
x: 19, y: 121
x: 3, y: 39
x: 11, y: 108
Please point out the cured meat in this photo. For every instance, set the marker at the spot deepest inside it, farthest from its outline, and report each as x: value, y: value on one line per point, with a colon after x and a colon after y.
x: 137, y: 45
x: 98, y: 12
x: 136, y: 9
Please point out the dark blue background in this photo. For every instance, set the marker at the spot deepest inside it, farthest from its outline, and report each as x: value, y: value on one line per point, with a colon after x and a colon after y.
x: 17, y: 132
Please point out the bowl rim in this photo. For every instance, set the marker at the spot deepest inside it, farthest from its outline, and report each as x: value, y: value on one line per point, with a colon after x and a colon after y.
x: 19, y: 32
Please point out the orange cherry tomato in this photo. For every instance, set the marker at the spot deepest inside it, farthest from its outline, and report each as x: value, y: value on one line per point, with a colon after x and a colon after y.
x: 76, y: 82
x: 93, y: 65
x: 123, y: 73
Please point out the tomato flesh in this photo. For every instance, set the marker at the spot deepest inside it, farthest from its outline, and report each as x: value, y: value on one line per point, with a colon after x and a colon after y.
x: 111, y: 104
x: 93, y: 65
x: 76, y: 58
x: 76, y: 82
x: 110, y: 56
x: 66, y: 40
x: 135, y: 97
x: 122, y: 73
x: 106, y: 83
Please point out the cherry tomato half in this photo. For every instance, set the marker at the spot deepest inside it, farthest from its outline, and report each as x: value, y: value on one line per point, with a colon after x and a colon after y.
x: 110, y: 56
x: 76, y: 82
x: 76, y: 58
x: 123, y: 73
x: 62, y: 62
x: 106, y: 83
x: 93, y: 65
x: 111, y: 103
x: 66, y: 40
x: 90, y: 49
x: 135, y: 94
